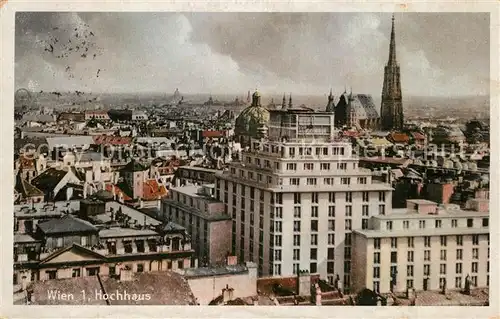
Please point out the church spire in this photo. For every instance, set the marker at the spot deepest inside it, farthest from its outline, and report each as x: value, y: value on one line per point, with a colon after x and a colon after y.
x: 290, y: 105
x: 392, y: 48
x: 283, y: 105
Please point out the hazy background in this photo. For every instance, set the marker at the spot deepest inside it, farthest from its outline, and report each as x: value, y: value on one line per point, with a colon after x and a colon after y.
x: 440, y: 54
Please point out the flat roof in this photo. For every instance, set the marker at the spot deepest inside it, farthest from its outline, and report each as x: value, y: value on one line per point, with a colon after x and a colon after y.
x: 421, y: 201
x: 215, y: 271
x: 126, y: 232
x: 404, y: 213
x: 370, y: 233
x: 24, y: 238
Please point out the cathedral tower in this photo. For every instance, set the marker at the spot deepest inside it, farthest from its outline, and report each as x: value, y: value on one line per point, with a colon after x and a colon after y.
x: 391, y: 111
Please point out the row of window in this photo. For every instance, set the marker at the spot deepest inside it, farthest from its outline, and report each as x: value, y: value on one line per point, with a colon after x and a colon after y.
x: 438, y: 223
x: 427, y: 241
x: 427, y: 255
x: 442, y: 283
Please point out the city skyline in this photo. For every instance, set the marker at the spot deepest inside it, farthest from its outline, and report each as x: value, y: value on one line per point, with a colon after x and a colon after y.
x: 454, y: 61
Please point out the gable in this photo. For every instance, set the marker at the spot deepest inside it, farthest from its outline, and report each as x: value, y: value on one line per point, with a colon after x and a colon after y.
x: 73, y: 254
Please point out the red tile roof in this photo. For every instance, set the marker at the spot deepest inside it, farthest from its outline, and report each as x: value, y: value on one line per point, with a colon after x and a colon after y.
x: 111, y: 140
x: 214, y: 133
x: 152, y: 190
x: 418, y: 136
x: 399, y: 137
x: 116, y: 190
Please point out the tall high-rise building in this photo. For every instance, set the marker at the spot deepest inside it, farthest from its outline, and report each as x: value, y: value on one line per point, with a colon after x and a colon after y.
x: 391, y: 111
x: 295, y: 197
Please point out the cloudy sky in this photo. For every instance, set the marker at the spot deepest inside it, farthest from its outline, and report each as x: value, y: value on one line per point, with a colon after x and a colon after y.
x: 440, y: 54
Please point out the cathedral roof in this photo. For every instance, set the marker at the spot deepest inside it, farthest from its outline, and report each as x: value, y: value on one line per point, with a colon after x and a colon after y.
x: 363, y: 106
x: 252, y: 118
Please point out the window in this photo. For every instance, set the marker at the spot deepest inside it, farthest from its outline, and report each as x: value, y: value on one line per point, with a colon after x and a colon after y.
x: 314, y: 225
x: 347, y: 252
x: 442, y: 269
x: 140, y: 267
x: 365, y: 210
x: 427, y: 270
x: 331, y: 211
x: 325, y: 166
x: 331, y: 239
x: 474, y: 281
x: 381, y: 209
x: 458, y: 282
x: 330, y: 269
x: 295, y: 269
x: 409, y: 283
x: 277, y: 269
x: 458, y: 268
x: 313, y: 268
x: 296, y: 198
x: 421, y: 224
x: 296, y: 212
x: 394, y: 242
x: 410, y: 256
x: 345, y: 181
x: 278, y: 227
x: 295, y: 181
x: 315, y: 197
x: 314, y: 239
x: 376, y: 286
x: 394, y: 257
x: 443, y: 254
x: 427, y: 241
x: 409, y: 270
x: 443, y: 240
x: 331, y: 197
x: 362, y: 180
x: 296, y: 225
x: 460, y: 240
x: 475, y: 253
x: 364, y: 223
x: 376, y: 243
x: 376, y: 272
x: 376, y: 258
x: 365, y: 196
x: 76, y: 272
x: 485, y: 222
x: 83, y: 241
x: 348, y: 197
x: 474, y: 266
x: 348, y: 211
x: 406, y: 224
x: 311, y: 181
x: 331, y: 253
x: 454, y: 223
x: 381, y: 196
x: 296, y: 240
x: 296, y: 254
x: 291, y: 167
x: 308, y: 166
x: 277, y: 255
x: 389, y: 225
x: 59, y: 242
x: 459, y: 254
x: 328, y: 181
x: 442, y: 283
x: 277, y: 240
x: 475, y: 239
x: 331, y: 224
x: 470, y: 222
x: 438, y: 223
x: 410, y: 242
x: 427, y: 255
x: 348, y: 239
x: 314, y: 211
x: 347, y: 266
x: 348, y: 224
x: 314, y: 253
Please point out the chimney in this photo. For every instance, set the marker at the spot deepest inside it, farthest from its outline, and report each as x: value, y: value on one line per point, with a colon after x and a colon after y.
x: 318, y: 295
x: 227, y: 294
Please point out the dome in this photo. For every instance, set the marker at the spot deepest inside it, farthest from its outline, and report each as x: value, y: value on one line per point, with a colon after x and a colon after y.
x: 252, y: 119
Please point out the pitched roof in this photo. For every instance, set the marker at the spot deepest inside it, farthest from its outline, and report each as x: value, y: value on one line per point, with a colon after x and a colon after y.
x: 111, y: 140
x: 418, y: 136
x: 67, y: 116
x: 66, y: 224
x: 134, y: 166
x: 399, y: 137
x: 363, y: 106
x: 49, y: 179
x: 152, y: 190
x: 170, y: 227
x: 73, y: 246
x: 116, y: 190
x: 26, y: 189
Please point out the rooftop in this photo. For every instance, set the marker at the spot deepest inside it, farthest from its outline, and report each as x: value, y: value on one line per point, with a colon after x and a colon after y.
x: 126, y: 232
x: 214, y: 271
x: 66, y: 224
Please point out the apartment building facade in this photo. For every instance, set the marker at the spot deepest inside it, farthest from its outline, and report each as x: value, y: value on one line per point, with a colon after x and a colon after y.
x: 422, y: 247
